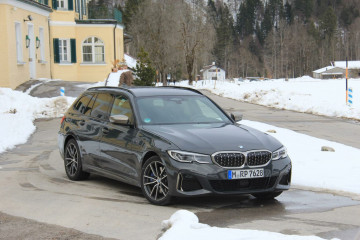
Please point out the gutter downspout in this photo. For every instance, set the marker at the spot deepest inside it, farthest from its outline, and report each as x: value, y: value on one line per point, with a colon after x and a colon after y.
x: 115, y: 42
x: 51, y: 76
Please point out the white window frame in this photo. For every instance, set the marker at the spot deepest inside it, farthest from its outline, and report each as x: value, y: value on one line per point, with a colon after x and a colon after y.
x: 61, y: 50
x: 42, y: 45
x: 19, y: 43
x: 92, y: 44
x: 65, y: 4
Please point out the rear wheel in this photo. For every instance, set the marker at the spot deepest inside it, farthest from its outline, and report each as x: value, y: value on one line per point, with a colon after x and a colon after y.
x: 73, y: 163
x: 266, y: 196
x: 154, y: 182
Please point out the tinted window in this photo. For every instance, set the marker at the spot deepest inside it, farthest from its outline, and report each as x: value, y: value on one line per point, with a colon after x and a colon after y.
x: 101, y: 106
x: 122, y: 106
x: 179, y: 109
x: 81, y: 105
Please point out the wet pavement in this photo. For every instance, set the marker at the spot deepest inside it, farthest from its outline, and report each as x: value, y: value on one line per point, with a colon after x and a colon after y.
x: 35, y: 186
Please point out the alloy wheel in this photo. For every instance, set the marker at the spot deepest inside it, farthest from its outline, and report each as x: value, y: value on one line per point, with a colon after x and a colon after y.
x: 71, y: 159
x: 155, y: 182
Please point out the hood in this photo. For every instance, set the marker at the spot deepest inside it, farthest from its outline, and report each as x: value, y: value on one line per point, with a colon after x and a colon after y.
x: 210, y: 138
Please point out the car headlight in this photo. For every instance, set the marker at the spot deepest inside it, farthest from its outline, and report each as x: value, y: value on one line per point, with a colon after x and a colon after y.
x: 188, y: 157
x: 280, y: 153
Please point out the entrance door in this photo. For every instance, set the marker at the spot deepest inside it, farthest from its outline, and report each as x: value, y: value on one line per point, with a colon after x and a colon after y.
x: 32, y: 60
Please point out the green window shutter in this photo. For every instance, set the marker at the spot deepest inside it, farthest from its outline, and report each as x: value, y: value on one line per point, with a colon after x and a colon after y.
x: 70, y: 5
x: 56, y: 51
x: 54, y: 4
x: 73, y: 50
x: 46, y: 2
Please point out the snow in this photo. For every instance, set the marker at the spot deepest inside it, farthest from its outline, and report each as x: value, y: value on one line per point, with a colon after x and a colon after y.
x: 324, y: 69
x: 18, y: 111
x: 351, y: 64
x: 305, y: 94
x: 130, y: 61
x: 184, y: 224
x: 113, y: 80
x: 315, y: 168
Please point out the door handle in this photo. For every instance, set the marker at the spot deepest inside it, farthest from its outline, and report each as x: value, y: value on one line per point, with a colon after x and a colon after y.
x: 82, y: 123
x: 105, y: 130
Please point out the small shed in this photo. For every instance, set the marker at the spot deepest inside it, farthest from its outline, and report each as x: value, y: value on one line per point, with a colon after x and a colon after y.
x: 337, y: 69
x: 353, y: 68
x: 212, y: 72
x: 329, y: 72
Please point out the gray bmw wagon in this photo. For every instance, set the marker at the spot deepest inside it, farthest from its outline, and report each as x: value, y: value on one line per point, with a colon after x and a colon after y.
x: 170, y: 142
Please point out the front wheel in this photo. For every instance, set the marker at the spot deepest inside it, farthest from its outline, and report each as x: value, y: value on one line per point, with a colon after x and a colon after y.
x: 266, y: 196
x: 73, y: 163
x: 154, y: 182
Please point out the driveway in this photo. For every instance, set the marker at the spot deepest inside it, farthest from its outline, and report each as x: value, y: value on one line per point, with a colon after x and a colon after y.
x: 34, y: 186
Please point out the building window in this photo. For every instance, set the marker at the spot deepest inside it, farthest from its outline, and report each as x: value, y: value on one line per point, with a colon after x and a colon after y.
x: 62, y: 4
x: 93, y: 50
x: 18, y: 37
x: 64, y: 50
x: 42, y: 44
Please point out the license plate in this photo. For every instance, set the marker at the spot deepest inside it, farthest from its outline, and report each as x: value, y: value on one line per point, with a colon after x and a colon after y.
x: 246, y: 173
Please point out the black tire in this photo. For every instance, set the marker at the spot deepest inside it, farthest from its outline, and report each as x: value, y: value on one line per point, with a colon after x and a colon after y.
x: 154, y: 182
x: 266, y: 196
x: 73, y: 162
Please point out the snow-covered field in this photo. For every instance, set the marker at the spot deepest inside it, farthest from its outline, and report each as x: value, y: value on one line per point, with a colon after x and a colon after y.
x: 18, y: 111
x: 305, y: 94
x: 185, y: 225
x: 338, y: 170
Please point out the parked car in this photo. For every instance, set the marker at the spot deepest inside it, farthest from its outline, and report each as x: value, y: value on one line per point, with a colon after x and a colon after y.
x: 171, y: 142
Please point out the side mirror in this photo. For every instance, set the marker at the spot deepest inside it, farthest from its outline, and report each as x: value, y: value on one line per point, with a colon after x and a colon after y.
x: 119, y: 119
x: 236, y: 116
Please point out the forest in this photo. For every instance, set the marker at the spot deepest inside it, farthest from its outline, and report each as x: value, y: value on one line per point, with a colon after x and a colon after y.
x: 247, y: 38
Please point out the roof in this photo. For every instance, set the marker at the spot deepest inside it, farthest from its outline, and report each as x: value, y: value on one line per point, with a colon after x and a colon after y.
x: 324, y: 69
x: 151, y: 91
x: 351, y: 64
x: 210, y: 67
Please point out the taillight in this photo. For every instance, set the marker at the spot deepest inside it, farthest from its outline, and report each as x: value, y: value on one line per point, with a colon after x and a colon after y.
x: 62, y: 120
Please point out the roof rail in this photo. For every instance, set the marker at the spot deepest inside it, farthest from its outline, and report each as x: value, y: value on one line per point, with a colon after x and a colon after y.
x: 185, y: 88
x: 108, y: 87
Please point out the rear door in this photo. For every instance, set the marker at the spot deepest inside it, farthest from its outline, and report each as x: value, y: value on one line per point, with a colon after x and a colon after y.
x: 97, y: 121
x: 78, y: 118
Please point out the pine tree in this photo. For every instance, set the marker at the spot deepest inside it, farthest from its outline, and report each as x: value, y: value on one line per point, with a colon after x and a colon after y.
x: 144, y: 72
x: 131, y: 8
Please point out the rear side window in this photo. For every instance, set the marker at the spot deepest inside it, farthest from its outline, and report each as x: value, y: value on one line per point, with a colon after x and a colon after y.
x: 81, y: 105
x: 100, y: 109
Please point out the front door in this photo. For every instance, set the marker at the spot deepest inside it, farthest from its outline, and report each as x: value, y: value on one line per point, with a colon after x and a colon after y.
x: 32, y: 60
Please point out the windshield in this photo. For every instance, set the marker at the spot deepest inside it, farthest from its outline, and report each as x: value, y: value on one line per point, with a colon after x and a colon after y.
x: 179, y: 110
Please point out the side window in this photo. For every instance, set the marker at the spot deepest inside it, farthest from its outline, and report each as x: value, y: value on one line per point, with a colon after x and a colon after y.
x: 122, y: 106
x: 81, y: 105
x: 101, y: 106
x: 90, y: 106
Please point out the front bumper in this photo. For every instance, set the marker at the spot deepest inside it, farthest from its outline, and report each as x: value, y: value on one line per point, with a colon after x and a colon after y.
x: 192, y: 179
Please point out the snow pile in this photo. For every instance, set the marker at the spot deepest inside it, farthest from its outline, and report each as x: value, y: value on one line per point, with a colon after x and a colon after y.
x: 312, y: 167
x: 305, y: 94
x: 130, y: 61
x: 18, y: 111
x: 113, y: 80
x: 185, y: 225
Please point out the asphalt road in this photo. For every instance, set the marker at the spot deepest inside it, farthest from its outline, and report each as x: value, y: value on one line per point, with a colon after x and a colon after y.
x: 34, y: 187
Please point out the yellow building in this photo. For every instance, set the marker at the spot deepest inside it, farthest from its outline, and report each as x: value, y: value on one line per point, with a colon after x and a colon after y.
x: 55, y: 39
x: 24, y: 50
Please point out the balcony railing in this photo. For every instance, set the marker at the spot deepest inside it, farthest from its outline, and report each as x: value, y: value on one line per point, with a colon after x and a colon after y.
x: 105, y: 13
